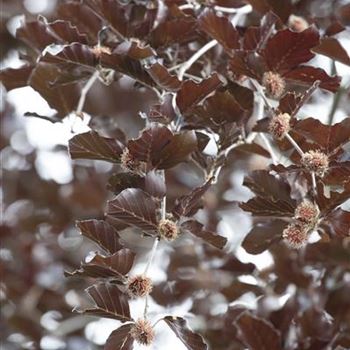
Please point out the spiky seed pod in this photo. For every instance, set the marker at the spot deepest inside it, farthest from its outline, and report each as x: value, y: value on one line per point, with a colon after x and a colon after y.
x: 315, y: 161
x: 274, y: 84
x: 99, y: 50
x: 279, y: 125
x: 295, y: 235
x: 142, y: 331
x: 307, y: 212
x: 298, y: 24
x: 168, y: 230
x: 139, y: 286
x: 129, y: 162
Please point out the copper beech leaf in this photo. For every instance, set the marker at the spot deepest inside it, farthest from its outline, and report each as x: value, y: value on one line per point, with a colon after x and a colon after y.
x: 272, y: 195
x: 160, y: 148
x: 114, y: 266
x: 221, y: 29
x: 196, y: 229
x: 332, y: 48
x: 13, y: 78
x: 163, y: 78
x: 133, y: 207
x: 110, y: 302
x: 191, y: 340
x: 255, y: 37
x: 121, y: 181
x: 91, y: 145
x: 101, y: 233
x: 120, y: 339
x: 306, y: 75
x: 328, y: 137
x: 63, y: 99
x: 287, y: 49
x: 75, y: 53
x: 192, y: 93
x: 258, y: 333
x: 263, y: 235
x: 291, y: 102
x: 337, y: 223
x: 82, y: 17
x: 189, y: 203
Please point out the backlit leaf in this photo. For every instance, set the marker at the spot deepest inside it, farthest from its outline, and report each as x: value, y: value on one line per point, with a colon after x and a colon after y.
x: 120, y: 339
x: 91, y: 145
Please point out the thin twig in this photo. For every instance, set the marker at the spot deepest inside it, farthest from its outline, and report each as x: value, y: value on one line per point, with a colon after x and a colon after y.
x: 261, y: 93
x: 294, y: 144
x: 84, y: 92
x: 187, y: 65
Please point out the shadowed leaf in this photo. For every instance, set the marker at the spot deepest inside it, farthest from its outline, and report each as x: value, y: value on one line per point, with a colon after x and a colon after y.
x: 102, y: 233
x: 196, y: 228
x: 287, y: 49
x: 163, y: 78
x: 332, y: 48
x: 121, y: 181
x: 13, y: 78
x: 263, y: 235
x: 134, y: 207
x: 120, y: 339
x: 63, y: 99
x: 110, y: 302
x: 192, y: 341
x: 188, y: 204
x: 116, y: 265
x: 257, y: 333
x: 192, y: 93
x: 91, y: 145
x: 307, y: 75
x: 219, y: 28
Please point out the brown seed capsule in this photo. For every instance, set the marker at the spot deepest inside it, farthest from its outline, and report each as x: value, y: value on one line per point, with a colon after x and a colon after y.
x: 295, y: 235
x: 279, y: 125
x: 99, y: 50
x: 274, y: 84
x: 298, y: 24
x: 315, y: 161
x: 143, y: 332
x: 129, y: 162
x: 307, y: 212
x: 168, y: 229
x: 139, y: 286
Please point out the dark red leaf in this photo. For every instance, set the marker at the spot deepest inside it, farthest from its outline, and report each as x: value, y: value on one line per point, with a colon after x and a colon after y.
x: 291, y: 103
x: 253, y: 148
x: 121, y: 181
x: 102, y: 233
x: 151, y: 142
x: 63, y: 99
x: 221, y: 29
x: 247, y: 64
x: 116, y: 265
x: 192, y: 341
x: 328, y: 137
x: 263, y: 235
x: 14, y: 78
x: 123, y: 63
x: 257, y: 333
x: 75, y: 53
x: 91, y: 145
x: 187, y: 204
x: 196, y: 228
x: 120, y: 339
x: 133, y: 207
x: 332, y: 48
x: 337, y: 223
x: 192, y: 93
x: 307, y: 75
x: 287, y: 49
x: 82, y: 17
x: 173, y: 31
x: 155, y: 184
x: 163, y: 78
x: 255, y: 37
x: 110, y: 302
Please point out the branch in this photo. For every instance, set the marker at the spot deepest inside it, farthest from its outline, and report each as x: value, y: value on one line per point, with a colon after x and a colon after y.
x: 84, y: 92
